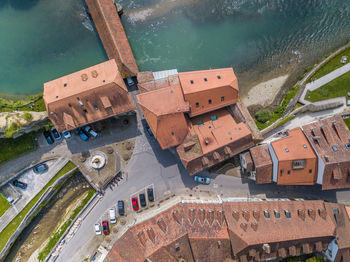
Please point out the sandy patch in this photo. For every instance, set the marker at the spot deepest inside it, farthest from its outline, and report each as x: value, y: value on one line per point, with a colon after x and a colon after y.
x: 7, y: 118
x: 264, y: 93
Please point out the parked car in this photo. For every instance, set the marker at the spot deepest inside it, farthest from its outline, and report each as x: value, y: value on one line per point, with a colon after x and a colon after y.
x: 112, y: 215
x: 148, y: 129
x: 203, y: 180
x: 135, y: 203
x: 82, y: 135
x: 90, y: 131
x: 19, y: 184
x: 142, y: 199
x: 56, y: 135
x: 98, y: 229
x: 48, y: 137
x: 41, y: 168
x: 150, y: 194
x: 130, y: 81
x: 105, y: 227
x: 121, y: 209
x: 67, y: 134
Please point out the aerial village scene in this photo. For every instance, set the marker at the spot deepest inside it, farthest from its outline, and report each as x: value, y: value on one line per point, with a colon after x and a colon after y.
x: 175, y: 130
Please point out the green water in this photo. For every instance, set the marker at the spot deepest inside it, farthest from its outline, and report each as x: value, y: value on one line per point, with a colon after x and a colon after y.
x: 42, y: 40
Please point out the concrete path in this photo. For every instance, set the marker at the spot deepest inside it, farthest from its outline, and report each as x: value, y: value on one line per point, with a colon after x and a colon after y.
x: 322, y: 81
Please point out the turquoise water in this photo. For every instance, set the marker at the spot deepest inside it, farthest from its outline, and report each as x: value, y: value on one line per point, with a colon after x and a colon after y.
x: 42, y: 40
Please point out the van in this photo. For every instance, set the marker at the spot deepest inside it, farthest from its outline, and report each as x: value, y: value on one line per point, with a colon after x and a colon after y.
x: 112, y: 215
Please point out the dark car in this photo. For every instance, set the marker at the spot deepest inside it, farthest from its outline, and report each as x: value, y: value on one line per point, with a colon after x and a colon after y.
x: 142, y: 199
x: 105, y: 227
x: 41, y: 168
x: 121, y: 209
x: 82, y: 134
x: 150, y: 194
x: 135, y: 203
x: 48, y: 137
x: 55, y: 133
x: 19, y: 184
x: 148, y: 129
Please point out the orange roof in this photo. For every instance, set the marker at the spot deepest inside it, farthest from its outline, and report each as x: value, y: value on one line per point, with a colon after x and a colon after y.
x: 164, y: 101
x: 196, y: 81
x: 294, y: 146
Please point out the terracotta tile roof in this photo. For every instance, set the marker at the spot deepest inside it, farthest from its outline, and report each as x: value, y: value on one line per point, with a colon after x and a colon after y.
x: 294, y: 146
x: 86, y: 96
x: 262, y: 163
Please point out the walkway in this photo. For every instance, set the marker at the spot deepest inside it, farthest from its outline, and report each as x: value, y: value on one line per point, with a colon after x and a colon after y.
x: 322, y: 81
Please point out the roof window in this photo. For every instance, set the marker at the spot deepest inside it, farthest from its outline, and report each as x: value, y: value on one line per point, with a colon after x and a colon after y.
x: 335, y: 211
x: 310, y: 171
x: 288, y: 172
x: 222, y: 98
x: 287, y: 150
x: 266, y: 214
x: 197, y: 104
x: 219, y: 77
x: 213, y: 118
x: 96, y: 107
x: 192, y: 82
x: 209, y: 101
x: 85, y: 111
x: 305, y: 146
x: 200, y: 122
x: 277, y: 214
x: 65, y: 84
x: 335, y: 148
x: 78, y: 98
x: 287, y: 213
x: 69, y: 104
x: 80, y: 103
x: 172, y: 133
x: 205, y: 79
x: 347, y: 145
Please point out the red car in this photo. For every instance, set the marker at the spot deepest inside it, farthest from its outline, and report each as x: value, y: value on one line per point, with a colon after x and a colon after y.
x: 135, y: 203
x: 105, y: 227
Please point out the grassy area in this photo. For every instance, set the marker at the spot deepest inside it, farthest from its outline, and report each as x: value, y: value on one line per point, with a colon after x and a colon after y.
x: 36, y: 104
x: 333, y: 64
x: 4, y: 205
x: 285, y: 120
x: 12, y: 227
x: 336, y: 88
x: 347, y: 122
x: 279, y: 110
x: 303, y: 258
x: 11, y: 148
x: 57, y: 235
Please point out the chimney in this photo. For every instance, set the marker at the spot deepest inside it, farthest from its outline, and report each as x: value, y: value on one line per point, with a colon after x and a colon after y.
x: 244, y: 226
x: 306, y: 248
x: 84, y: 77
x: 216, y: 155
x: 292, y: 251
x: 201, y: 216
x: 205, y: 161
x: 252, y: 252
x: 162, y: 225
x: 192, y: 215
x: 151, y: 234
x: 227, y: 150
x: 322, y: 213
x: 282, y: 252
x: 177, y: 217
x: 301, y: 214
x: 207, y: 141
x: 318, y: 246
x: 256, y: 215
x: 210, y: 217
x: 266, y: 248
x: 254, y: 226
x: 220, y: 217
x: 94, y: 73
x: 235, y: 215
x: 142, y: 237
x: 246, y: 214
x: 311, y: 213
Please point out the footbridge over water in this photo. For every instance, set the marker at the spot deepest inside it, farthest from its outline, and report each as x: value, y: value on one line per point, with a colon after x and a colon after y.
x: 112, y: 34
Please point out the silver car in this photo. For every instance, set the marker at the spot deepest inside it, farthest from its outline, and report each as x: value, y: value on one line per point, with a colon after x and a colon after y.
x: 98, y: 229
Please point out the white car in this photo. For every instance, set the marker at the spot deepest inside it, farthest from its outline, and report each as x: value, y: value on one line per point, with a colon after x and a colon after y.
x: 203, y: 180
x: 66, y: 134
x: 98, y: 229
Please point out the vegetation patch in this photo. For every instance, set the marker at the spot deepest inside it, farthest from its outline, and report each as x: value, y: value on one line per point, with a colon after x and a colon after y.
x: 278, y: 110
x: 58, y: 234
x: 347, y: 122
x: 336, y: 88
x: 4, y: 205
x: 285, y: 120
x: 306, y: 258
x: 331, y: 65
x: 11, y: 148
x: 14, y: 224
x: 32, y: 103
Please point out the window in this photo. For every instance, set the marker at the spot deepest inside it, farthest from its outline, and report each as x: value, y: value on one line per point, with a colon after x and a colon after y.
x: 78, y: 98
x: 65, y: 84
x: 197, y: 104
x: 277, y: 213
x: 209, y: 101
x: 70, y: 105
x: 213, y: 118
x: 191, y: 81
x: 304, y: 146
x: 288, y: 172
x: 85, y: 111
x: 96, y: 107
x: 282, y: 171
x: 310, y: 171
x: 205, y: 79
x: 286, y: 149
x: 347, y: 145
x: 172, y: 133
x: 200, y: 122
x: 219, y: 77
x: 222, y: 99
x: 287, y: 213
x: 177, y: 249
x: 266, y: 214
x: 335, y: 148
x: 298, y: 164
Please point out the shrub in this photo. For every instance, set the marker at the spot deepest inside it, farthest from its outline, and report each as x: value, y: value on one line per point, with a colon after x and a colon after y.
x: 28, y: 116
x: 263, y: 115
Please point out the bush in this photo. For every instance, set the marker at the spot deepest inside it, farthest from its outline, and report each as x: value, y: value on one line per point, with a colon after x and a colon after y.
x: 263, y: 115
x: 28, y: 116
x: 13, y: 128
